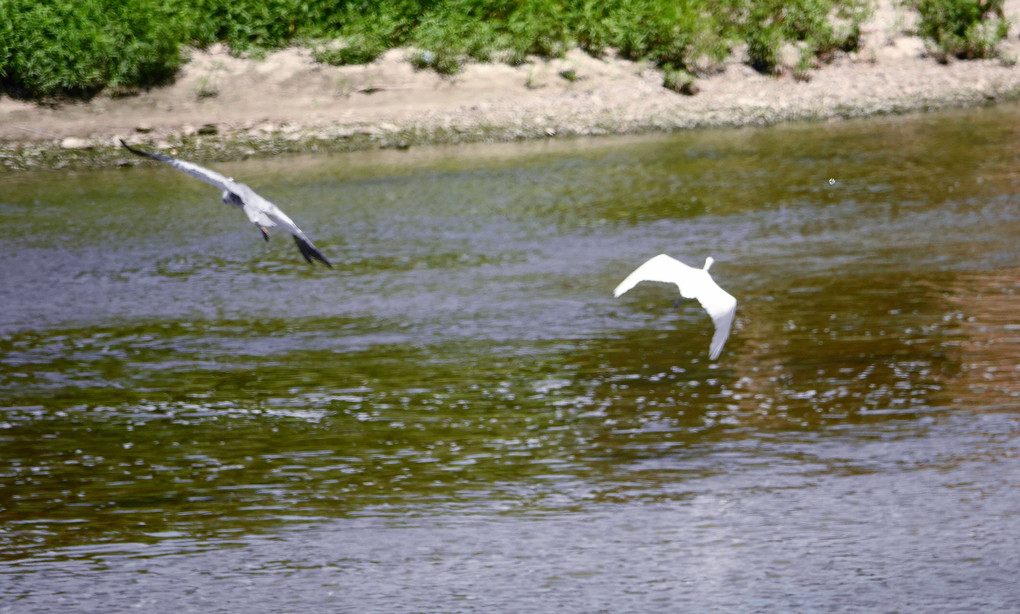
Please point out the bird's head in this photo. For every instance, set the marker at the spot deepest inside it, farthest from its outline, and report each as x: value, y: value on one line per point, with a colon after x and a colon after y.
x: 708, y: 262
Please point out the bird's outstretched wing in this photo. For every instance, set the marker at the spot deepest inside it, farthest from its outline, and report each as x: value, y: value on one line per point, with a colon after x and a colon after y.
x: 693, y: 283
x: 260, y: 211
x: 721, y: 307
x: 199, y: 172
x: 660, y: 268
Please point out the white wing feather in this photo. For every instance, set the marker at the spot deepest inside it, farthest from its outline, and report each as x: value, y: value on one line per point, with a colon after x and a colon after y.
x: 264, y: 213
x: 200, y: 172
x: 256, y: 206
x: 258, y: 209
x: 692, y: 283
x: 660, y: 268
x: 721, y: 307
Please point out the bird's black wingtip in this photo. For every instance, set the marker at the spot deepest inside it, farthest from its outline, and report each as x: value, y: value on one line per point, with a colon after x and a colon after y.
x: 310, y: 253
x: 139, y: 152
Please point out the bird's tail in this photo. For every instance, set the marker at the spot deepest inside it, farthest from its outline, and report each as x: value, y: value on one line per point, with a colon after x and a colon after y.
x: 309, y: 252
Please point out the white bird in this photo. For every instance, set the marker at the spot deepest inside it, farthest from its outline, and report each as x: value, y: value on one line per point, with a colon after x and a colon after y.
x: 693, y: 283
x: 260, y: 211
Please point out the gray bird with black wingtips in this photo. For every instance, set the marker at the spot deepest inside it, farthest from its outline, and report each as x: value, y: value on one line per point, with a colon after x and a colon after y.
x: 260, y: 211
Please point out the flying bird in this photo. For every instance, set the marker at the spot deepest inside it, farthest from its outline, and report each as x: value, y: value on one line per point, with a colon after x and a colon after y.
x: 693, y: 283
x: 260, y: 211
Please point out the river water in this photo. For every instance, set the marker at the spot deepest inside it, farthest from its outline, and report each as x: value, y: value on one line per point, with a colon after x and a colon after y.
x: 460, y: 417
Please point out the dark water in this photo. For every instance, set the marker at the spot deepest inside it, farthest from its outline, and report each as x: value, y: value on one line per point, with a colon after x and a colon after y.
x: 460, y: 416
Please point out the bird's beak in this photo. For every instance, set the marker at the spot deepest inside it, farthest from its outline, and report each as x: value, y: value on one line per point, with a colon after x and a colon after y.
x: 265, y: 233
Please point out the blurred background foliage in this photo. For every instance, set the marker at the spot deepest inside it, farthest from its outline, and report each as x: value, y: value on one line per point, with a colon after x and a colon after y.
x: 76, y: 48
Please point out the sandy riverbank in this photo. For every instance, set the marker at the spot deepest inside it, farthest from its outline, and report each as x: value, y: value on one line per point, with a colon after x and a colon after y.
x: 223, y: 107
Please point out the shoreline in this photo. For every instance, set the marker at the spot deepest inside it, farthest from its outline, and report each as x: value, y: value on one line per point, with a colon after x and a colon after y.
x: 221, y: 107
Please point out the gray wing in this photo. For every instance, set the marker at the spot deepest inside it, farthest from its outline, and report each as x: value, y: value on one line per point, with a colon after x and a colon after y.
x: 260, y: 211
x: 199, y: 172
x: 263, y: 212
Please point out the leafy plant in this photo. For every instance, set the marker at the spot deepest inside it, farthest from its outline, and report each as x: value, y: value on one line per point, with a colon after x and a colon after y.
x: 443, y: 62
x: 963, y: 28
x: 763, y: 47
x: 245, y: 25
x: 366, y: 31
x: 67, y: 48
x: 679, y: 80
x: 825, y: 26
x: 354, y: 50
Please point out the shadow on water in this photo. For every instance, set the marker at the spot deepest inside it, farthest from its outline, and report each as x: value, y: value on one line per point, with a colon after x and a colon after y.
x: 171, y: 385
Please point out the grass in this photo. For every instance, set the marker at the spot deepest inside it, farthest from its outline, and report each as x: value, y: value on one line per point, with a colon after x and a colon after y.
x: 76, y: 48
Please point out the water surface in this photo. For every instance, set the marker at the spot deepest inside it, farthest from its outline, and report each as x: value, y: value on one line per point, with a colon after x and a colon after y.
x: 460, y: 417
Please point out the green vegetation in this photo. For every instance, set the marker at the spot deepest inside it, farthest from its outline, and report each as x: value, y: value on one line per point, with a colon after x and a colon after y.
x: 79, y: 47
x: 679, y: 80
x: 963, y: 28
